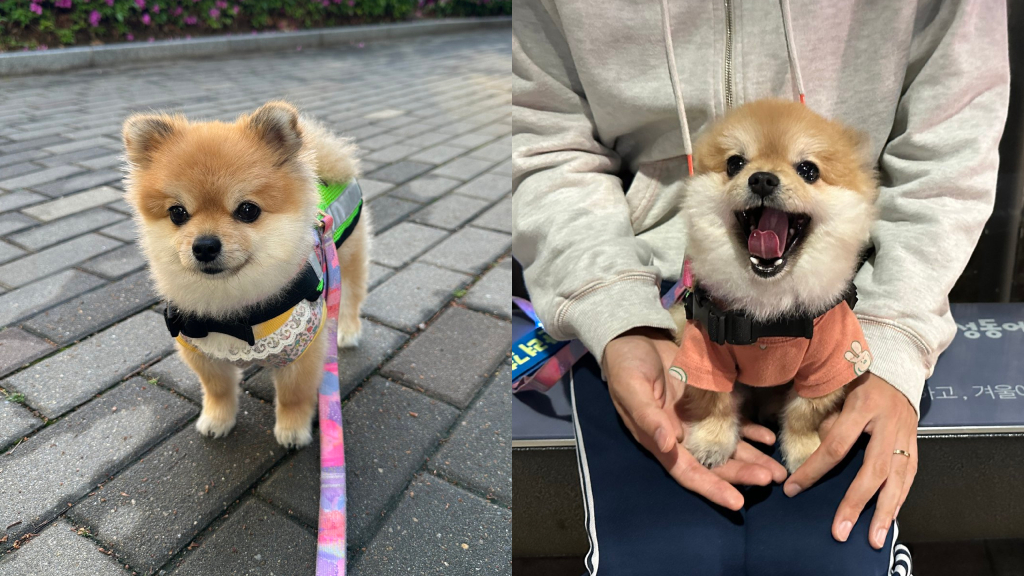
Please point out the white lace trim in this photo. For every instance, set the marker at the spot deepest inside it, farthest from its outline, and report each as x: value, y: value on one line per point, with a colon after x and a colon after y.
x: 306, y: 314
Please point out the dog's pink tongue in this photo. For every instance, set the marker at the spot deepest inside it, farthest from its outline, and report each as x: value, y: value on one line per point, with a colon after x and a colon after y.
x: 767, y: 240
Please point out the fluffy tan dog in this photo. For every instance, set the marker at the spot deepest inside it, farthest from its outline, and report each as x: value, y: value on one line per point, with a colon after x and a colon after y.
x: 778, y: 213
x: 225, y: 213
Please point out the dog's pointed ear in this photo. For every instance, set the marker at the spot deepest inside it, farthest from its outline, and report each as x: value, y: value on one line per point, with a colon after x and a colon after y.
x: 277, y: 124
x: 143, y: 134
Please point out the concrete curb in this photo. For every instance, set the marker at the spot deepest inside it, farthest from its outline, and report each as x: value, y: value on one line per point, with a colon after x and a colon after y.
x: 18, y: 63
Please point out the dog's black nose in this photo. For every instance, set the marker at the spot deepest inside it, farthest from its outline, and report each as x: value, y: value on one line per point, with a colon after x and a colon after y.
x: 763, y: 183
x: 206, y: 248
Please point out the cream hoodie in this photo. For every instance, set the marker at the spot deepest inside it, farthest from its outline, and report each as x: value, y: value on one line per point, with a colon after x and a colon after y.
x: 600, y: 166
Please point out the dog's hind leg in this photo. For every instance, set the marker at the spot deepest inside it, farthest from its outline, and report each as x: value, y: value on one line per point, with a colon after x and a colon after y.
x: 354, y: 260
x: 801, y: 418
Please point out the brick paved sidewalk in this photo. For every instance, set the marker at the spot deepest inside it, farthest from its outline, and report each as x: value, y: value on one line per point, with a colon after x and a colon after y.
x: 101, y: 469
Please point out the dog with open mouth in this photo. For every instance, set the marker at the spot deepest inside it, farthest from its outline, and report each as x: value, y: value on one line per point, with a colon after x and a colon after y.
x: 778, y: 215
x: 227, y: 214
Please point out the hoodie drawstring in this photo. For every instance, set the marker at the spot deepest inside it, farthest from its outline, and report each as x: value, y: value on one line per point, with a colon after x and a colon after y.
x: 677, y: 86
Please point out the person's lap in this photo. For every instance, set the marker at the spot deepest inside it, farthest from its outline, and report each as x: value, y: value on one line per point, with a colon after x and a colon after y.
x: 645, y: 523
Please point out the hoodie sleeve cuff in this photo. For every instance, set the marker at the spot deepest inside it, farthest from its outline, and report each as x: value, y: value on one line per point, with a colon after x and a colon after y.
x: 900, y: 359
x: 599, y: 315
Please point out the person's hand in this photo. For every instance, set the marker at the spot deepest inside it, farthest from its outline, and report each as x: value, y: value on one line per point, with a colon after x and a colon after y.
x: 635, y: 365
x: 872, y: 406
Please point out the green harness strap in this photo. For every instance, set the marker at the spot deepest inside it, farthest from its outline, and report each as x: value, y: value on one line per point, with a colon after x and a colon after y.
x: 343, y: 202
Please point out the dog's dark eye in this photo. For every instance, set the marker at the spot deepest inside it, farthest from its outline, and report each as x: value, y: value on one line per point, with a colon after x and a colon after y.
x: 808, y: 171
x: 734, y: 164
x: 178, y: 214
x: 247, y: 212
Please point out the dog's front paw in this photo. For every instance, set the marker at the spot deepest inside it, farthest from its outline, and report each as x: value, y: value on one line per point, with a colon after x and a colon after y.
x: 293, y: 436
x: 215, y: 423
x: 796, y: 448
x: 348, y: 333
x: 712, y: 441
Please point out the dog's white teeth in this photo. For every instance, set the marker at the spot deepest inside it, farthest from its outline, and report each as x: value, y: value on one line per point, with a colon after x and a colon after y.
x: 779, y: 261
x: 791, y: 231
x: 753, y: 260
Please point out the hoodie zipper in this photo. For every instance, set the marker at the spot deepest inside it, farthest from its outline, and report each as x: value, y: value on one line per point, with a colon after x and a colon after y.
x: 728, y: 55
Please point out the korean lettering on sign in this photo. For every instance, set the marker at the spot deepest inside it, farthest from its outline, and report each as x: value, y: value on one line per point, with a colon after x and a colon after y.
x: 989, y: 327
x: 524, y: 352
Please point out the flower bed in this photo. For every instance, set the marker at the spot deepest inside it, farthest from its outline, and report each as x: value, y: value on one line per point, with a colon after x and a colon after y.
x: 42, y: 24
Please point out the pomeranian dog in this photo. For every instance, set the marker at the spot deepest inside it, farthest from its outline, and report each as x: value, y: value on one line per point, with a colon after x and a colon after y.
x: 226, y: 214
x: 778, y: 212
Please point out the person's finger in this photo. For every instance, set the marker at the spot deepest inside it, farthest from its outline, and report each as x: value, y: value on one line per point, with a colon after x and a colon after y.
x: 739, y: 473
x: 757, y: 433
x: 892, y: 489
x: 911, y: 472
x: 646, y: 419
x: 693, y: 476
x: 826, y: 424
x: 873, y: 472
x: 746, y: 453
x: 833, y: 449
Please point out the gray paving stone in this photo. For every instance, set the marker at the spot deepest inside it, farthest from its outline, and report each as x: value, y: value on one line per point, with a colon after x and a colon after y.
x: 376, y: 344
x: 21, y: 143
x: 90, y: 312
x: 69, y: 227
x: 384, y: 445
x: 396, y: 173
x: 454, y: 356
x: 467, y: 535
x: 80, y: 145
x: 438, y: 154
x: 120, y: 206
x: 59, y: 550
x: 79, y: 183
x: 379, y: 141
x: 9, y: 252
x: 425, y: 188
x: 102, y: 162
x: 74, y: 203
x: 76, y: 156
x: 493, y: 292
x: 478, y: 455
x: 450, y: 212
x: 391, y: 153
x: 175, y: 374
x: 373, y: 188
x: 294, y: 486
x: 50, y: 260
x: 497, y: 218
x: 116, y: 263
x: 387, y: 211
x: 255, y: 540
x: 40, y: 177
x: 18, y: 199
x: 503, y: 169
x: 413, y: 295
x: 261, y: 385
x: 42, y: 294
x: 378, y: 274
x: 122, y: 231
x: 403, y: 242
x: 18, y: 157
x: 426, y: 139
x: 63, y: 462
x: 22, y: 168
x: 471, y: 140
x: 180, y: 487
x: 75, y: 374
x: 494, y: 151
x: 14, y: 221
x: 463, y: 168
x: 18, y: 348
x: 468, y: 250
x: 488, y: 187
x: 15, y: 421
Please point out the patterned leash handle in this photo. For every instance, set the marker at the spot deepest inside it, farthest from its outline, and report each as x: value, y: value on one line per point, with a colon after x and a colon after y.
x: 331, y: 541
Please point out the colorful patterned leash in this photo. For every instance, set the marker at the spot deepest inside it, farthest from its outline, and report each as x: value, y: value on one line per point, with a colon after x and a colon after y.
x: 331, y: 541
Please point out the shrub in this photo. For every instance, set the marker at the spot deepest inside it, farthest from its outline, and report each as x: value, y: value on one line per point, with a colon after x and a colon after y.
x: 26, y: 24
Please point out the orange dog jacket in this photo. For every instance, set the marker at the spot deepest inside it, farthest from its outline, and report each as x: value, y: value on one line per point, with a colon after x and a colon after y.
x: 835, y: 355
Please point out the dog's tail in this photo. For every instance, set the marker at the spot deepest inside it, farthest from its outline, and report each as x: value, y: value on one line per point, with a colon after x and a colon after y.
x: 336, y: 158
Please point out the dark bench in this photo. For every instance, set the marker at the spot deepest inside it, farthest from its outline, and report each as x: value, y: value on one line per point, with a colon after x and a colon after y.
x: 971, y: 443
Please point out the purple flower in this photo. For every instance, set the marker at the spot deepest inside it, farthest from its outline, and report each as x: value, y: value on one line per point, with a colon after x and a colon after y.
x: 155, y: 8
x: 140, y: 3
x: 177, y: 11
x: 214, y: 13
x: 33, y: 7
x: 94, y: 18
x: 351, y: 3
x: 191, y: 20
x: 129, y: 37
x: 110, y: 2
x: 326, y: 3
x: 151, y: 39
x: 42, y: 47
x: 146, y: 19
x: 62, y: 3
x: 221, y: 4
x: 236, y: 8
